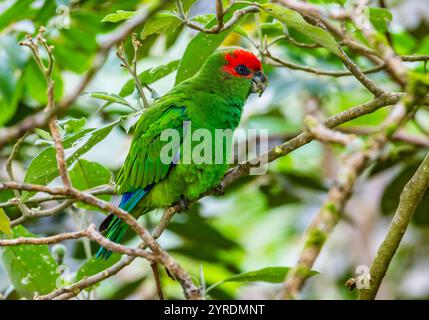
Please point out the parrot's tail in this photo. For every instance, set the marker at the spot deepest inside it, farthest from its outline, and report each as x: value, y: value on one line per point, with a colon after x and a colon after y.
x: 115, y: 231
x: 113, y: 227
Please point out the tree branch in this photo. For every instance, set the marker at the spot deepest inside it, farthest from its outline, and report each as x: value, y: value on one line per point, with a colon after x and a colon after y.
x: 324, y: 134
x: 190, y: 290
x: 354, y: 164
x: 74, y: 289
x: 410, y: 197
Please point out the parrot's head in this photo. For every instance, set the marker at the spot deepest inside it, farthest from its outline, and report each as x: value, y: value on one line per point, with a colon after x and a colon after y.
x: 245, y: 67
x: 236, y: 72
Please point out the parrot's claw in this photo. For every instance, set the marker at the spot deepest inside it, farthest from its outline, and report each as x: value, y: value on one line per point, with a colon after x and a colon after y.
x: 183, y: 204
x: 219, y: 189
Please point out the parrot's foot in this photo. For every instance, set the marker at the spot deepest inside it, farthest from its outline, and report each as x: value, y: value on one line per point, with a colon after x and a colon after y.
x: 219, y: 189
x: 183, y: 204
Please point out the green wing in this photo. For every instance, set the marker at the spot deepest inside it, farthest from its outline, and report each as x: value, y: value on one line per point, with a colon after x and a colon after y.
x: 143, y: 165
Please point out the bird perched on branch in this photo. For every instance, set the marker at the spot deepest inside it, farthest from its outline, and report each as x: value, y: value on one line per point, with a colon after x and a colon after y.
x: 160, y: 172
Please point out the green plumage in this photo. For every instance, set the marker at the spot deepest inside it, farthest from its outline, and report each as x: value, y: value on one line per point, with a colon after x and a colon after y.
x: 212, y: 99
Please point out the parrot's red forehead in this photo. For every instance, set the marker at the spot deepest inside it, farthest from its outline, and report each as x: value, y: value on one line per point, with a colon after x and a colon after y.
x: 241, y: 57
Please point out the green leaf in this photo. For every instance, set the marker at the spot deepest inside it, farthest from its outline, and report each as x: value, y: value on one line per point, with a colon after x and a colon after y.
x: 380, y: 18
x: 111, y: 97
x: 43, y: 168
x: 80, y: 39
x: 203, y: 19
x: 72, y: 125
x: 12, y: 62
x: 406, y: 43
x: 43, y: 134
x: 118, y: 16
x: 30, y: 268
x: 86, y: 175
x: 149, y: 76
x: 272, y: 29
x: 35, y: 83
x: 11, y: 212
x: 18, y: 10
x: 93, y: 266
x: 294, y: 20
x: 164, y: 21
x: 268, y: 274
x: 5, y: 223
x: 197, y: 52
x: 128, y: 121
x: 239, y: 30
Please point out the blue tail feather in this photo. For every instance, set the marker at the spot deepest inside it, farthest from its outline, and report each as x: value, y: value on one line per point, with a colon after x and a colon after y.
x: 116, y: 229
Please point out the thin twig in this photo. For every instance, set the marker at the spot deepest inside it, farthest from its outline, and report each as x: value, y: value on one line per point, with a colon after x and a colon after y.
x: 99, y: 190
x: 47, y: 72
x: 290, y: 65
x: 25, y: 211
x: 132, y: 68
x: 220, y: 25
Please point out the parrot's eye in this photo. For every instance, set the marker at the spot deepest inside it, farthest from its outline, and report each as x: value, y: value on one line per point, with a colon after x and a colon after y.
x: 241, y: 69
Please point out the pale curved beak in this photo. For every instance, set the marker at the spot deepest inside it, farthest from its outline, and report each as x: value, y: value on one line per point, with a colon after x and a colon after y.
x: 259, y: 83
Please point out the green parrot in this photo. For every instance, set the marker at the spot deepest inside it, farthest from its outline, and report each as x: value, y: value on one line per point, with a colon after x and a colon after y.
x: 212, y: 99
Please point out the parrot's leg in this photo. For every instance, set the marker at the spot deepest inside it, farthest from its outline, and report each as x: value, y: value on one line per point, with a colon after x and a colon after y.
x: 154, y: 267
x: 183, y: 204
x: 219, y: 189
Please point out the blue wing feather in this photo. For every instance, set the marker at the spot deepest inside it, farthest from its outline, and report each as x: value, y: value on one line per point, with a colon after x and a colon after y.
x: 130, y: 199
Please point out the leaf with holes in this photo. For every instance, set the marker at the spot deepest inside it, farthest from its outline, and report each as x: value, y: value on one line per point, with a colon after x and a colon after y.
x: 31, y: 269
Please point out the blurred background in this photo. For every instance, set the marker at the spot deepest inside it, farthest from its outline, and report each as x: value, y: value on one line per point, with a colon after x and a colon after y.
x: 260, y: 220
